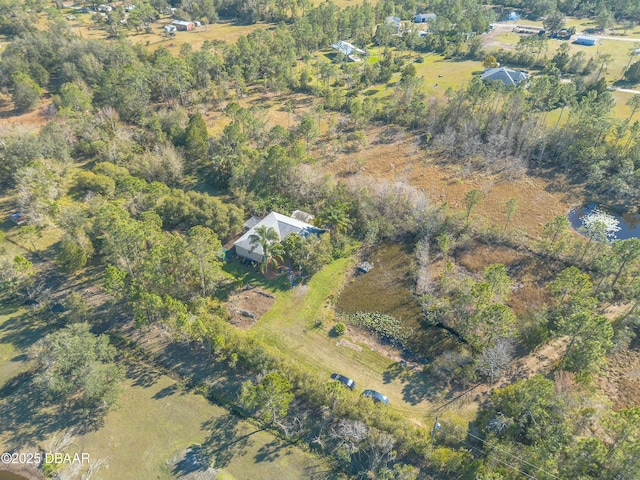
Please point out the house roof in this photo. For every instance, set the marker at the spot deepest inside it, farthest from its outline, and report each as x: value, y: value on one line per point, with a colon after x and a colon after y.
x: 585, y: 39
x: 181, y: 22
x: 282, y: 224
x: 425, y: 16
x: 504, y: 75
x: 252, y: 222
x: 346, y: 48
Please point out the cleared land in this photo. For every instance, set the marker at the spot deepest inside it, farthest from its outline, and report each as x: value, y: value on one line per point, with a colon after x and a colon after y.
x: 148, y: 435
x: 224, y: 31
x: 289, y: 326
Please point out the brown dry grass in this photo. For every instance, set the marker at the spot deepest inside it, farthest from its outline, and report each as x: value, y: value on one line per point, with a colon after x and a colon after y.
x: 9, y: 116
x: 530, y: 297
x: 622, y: 383
x: 539, y: 199
x: 225, y: 31
x: 476, y: 259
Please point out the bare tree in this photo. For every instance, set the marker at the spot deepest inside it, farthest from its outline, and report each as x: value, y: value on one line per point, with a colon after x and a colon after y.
x: 423, y: 271
x: 496, y: 359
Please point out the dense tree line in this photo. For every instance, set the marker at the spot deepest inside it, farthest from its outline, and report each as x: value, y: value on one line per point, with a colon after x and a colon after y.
x: 603, y: 11
x: 133, y: 115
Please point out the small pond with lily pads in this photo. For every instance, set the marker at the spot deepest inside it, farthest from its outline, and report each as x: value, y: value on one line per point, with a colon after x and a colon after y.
x: 387, y: 288
x: 619, y: 226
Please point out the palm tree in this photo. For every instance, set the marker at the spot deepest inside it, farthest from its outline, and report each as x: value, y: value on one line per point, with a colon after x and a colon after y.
x: 272, y: 249
x: 335, y: 217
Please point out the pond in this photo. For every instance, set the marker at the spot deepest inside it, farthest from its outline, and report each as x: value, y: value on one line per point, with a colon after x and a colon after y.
x: 388, y: 289
x: 629, y: 223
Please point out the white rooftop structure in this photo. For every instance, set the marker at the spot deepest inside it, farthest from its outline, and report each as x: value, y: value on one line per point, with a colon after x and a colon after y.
x: 302, y: 216
x: 282, y: 224
x: 347, y: 49
x: 505, y: 75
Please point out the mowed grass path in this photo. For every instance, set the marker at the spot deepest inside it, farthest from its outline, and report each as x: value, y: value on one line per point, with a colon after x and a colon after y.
x: 288, y: 326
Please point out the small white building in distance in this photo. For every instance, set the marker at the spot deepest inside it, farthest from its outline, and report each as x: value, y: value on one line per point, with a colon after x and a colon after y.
x: 424, y: 17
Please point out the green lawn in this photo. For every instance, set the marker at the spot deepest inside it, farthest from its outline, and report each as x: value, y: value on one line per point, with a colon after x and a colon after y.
x: 439, y: 74
x: 148, y: 435
x: 288, y: 326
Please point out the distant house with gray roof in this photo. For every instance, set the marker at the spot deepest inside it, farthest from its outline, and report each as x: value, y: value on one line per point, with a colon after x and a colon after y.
x: 424, y: 17
x: 394, y: 22
x: 510, y: 78
x: 282, y: 224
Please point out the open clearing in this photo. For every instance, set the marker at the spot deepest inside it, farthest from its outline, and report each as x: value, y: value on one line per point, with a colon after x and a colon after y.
x: 148, y: 435
x: 158, y: 422
x: 288, y: 326
x: 223, y: 31
x: 539, y: 199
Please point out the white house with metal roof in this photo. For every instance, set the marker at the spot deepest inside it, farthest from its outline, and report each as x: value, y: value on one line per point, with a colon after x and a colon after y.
x: 505, y: 75
x: 350, y: 51
x: 282, y: 224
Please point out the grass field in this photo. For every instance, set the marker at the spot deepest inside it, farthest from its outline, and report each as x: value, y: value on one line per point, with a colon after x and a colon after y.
x: 288, y: 326
x: 441, y: 74
x: 148, y: 435
x: 225, y: 31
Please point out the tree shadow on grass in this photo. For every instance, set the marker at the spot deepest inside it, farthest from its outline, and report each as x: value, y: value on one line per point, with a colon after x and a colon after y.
x: 320, y: 472
x: 416, y: 385
x: 393, y: 372
x: 142, y: 375
x: 28, y: 417
x: 23, y: 330
x: 271, y: 451
x: 166, y: 392
x: 227, y: 440
x: 248, y: 275
x: 194, y: 460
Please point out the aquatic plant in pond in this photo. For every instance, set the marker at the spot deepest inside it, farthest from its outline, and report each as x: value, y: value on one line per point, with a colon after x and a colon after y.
x: 610, y: 224
x: 629, y: 222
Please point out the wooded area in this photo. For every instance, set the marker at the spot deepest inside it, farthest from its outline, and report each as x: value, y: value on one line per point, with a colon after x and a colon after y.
x: 148, y: 163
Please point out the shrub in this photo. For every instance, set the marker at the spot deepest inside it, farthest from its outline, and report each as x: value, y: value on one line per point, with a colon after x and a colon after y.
x: 385, y: 326
x: 339, y: 329
x: 98, y: 183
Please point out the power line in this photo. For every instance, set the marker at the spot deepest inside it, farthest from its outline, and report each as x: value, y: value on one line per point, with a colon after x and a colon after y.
x: 496, y: 459
x: 505, y: 452
x: 514, y: 456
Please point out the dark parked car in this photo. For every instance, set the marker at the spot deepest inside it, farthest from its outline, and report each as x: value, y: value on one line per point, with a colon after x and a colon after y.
x: 376, y: 396
x: 347, y: 382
